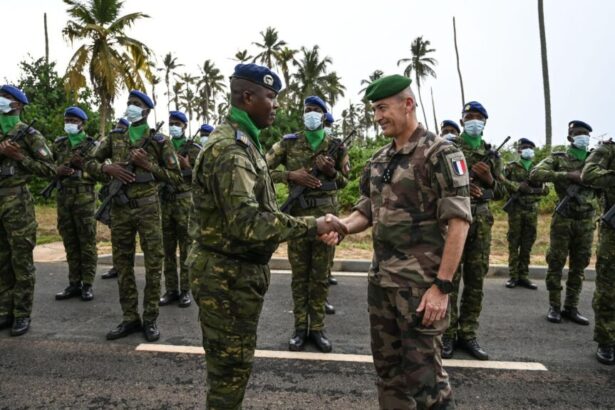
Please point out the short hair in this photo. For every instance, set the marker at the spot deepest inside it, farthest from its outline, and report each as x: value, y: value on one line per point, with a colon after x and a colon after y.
x: 238, y: 87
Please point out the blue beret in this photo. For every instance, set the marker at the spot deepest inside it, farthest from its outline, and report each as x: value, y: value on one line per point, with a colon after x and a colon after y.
x: 579, y: 124
x: 317, y: 101
x: 178, y: 115
x: 329, y: 117
x: 143, y: 97
x: 206, y: 128
x: 76, y: 112
x: 475, y: 106
x: 124, y: 122
x: 16, y: 92
x: 258, y: 74
x: 449, y: 123
x: 525, y: 141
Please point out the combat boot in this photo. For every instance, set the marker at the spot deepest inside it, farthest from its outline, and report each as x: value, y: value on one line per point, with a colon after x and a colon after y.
x: 329, y: 308
x: 511, y: 283
x: 606, y: 354
x: 111, y: 273
x: 169, y: 297
x: 573, y: 315
x: 124, y: 329
x: 150, y: 331
x: 526, y: 283
x: 73, y: 289
x: 297, y: 342
x: 320, y: 340
x: 86, y: 293
x: 184, y: 299
x: 448, y: 347
x: 20, y: 326
x: 554, y: 315
x: 332, y: 280
x: 472, y: 347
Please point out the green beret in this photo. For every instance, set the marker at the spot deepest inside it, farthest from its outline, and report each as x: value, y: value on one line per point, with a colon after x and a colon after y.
x: 387, y: 86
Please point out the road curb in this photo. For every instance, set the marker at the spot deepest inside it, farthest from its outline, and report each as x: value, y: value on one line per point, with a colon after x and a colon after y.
x: 362, y: 265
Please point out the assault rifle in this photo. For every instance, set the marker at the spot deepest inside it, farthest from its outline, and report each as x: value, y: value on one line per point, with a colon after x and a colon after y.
x: 10, y: 171
x: 488, y: 193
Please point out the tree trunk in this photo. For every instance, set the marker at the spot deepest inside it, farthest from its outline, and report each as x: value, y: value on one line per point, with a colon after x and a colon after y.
x: 433, y: 107
x: 463, y: 96
x: 418, y: 86
x: 168, y: 93
x: 46, y: 40
x: 545, y: 73
x: 104, y: 111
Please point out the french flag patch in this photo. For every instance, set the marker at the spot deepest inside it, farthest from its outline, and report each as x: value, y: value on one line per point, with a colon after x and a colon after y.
x: 459, y: 166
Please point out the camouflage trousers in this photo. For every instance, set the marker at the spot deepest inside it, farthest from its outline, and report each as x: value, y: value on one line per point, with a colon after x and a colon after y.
x: 17, y: 239
x: 472, y: 269
x: 230, y: 297
x: 604, y: 295
x: 522, y: 226
x: 311, y: 262
x: 125, y: 224
x: 407, y: 356
x: 568, y: 237
x: 175, y: 217
x: 77, y: 226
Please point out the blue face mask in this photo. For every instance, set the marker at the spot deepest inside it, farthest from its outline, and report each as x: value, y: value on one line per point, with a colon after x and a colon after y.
x: 474, y: 128
x: 328, y: 131
x: 5, y: 105
x: 204, y: 140
x: 581, y: 142
x: 527, y: 153
x: 312, y: 120
x: 176, y: 131
x: 134, y: 113
x: 450, y: 137
x: 71, y: 129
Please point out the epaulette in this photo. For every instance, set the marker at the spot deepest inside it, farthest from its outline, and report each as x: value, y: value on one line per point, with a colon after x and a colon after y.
x: 242, y: 139
x: 159, y: 138
x: 199, y: 146
x: 117, y: 131
x: 558, y: 154
x: 60, y: 139
x: 290, y: 137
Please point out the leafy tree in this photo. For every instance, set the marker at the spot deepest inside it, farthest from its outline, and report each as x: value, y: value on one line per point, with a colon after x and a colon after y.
x: 270, y: 46
x: 169, y: 65
x: 242, y: 56
x: 209, y: 85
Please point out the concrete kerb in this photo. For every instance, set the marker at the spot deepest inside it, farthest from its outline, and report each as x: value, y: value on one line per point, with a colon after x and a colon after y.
x: 361, y: 265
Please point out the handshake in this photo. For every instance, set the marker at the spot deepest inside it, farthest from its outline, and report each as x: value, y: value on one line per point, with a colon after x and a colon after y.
x: 330, y: 229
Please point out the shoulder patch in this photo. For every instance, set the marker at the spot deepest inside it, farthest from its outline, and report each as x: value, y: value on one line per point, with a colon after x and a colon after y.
x: 458, y: 168
x: 117, y: 131
x: 242, y: 139
x: 60, y: 139
x: 159, y: 138
x: 290, y: 137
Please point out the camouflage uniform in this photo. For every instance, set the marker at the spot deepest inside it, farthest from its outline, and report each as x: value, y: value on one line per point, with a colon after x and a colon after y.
x: 599, y: 172
x: 570, y: 236
x: 310, y: 259
x: 76, y: 203
x: 176, y: 207
x: 474, y: 263
x: 409, y: 217
x: 140, y: 215
x: 237, y: 227
x: 17, y: 221
x: 522, y: 220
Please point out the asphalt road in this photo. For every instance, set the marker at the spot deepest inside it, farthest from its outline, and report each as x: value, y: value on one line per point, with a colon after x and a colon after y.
x: 65, y: 361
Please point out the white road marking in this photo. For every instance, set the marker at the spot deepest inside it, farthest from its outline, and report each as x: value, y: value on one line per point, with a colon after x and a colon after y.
x: 336, y: 274
x: 338, y: 357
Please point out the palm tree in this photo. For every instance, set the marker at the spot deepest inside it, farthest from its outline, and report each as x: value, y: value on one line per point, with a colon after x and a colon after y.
x: 284, y: 58
x: 271, y: 45
x: 169, y: 66
x: 372, y: 77
x: 187, y: 103
x: 311, y: 75
x: 421, y: 64
x: 333, y: 88
x: 545, y: 72
x: 110, y: 58
x: 209, y: 85
x: 463, y: 94
x: 177, y: 90
x: 242, y: 56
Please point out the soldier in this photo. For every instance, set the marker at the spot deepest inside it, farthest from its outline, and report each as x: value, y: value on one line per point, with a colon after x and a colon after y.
x: 415, y: 195
x: 204, y: 132
x: 449, y: 130
x: 237, y: 226
x: 19, y: 161
x: 485, y: 185
x: 310, y: 258
x: 522, y: 209
x: 176, y: 208
x: 120, y: 128
x: 137, y: 209
x: 599, y: 172
x: 76, y: 202
x: 572, y: 222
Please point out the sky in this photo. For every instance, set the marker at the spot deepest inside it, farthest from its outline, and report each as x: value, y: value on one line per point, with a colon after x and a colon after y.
x: 498, y: 41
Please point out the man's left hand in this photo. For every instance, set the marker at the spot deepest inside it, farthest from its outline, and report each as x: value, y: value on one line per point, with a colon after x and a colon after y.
x: 326, y: 165
x: 483, y: 172
x: 184, y: 162
x: 12, y: 150
x: 433, y: 304
x: 139, y: 158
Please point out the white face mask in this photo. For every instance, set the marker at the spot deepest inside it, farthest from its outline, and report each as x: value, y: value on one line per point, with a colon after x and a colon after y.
x: 176, y: 131
x: 328, y: 131
x: 450, y: 136
x: 474, y: 128
x: 134, y: 113
x: 204, y: 140
x: 527, y: 153
x: 5, y: 105
x: 581, y: 141
x: 312, y: 120
x: 71, y: 129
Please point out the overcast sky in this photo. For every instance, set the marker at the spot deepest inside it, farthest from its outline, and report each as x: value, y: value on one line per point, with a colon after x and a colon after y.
x: 499, y: 46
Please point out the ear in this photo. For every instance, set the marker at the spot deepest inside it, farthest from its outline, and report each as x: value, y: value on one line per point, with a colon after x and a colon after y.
x: 461, y: 122
x: 247, y: 97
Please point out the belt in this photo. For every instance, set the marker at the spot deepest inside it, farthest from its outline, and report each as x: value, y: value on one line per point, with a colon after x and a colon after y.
x: 306, y: 203
x: 143, y: 178
x: 82, y: 189
x: 7, y: 171
x: 248, y: 257
x: 16, y: 190
x: 136, y: 202
x: 478, y: 206
x: 172, y: 196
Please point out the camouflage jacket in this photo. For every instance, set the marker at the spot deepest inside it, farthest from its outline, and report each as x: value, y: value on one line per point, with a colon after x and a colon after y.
x: 475, y: 155
x: 191, y: 149
x: 38, y: 159
x: 599, y: 172
x: 514, y: 174
x: 116, y: 147
x: 294, y: 152
x: 428, y: 186
x: 63, y: 152
x: 236, y: 213
x: 555, y: 168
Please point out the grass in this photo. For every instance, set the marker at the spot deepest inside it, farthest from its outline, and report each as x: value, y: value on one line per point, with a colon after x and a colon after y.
x: 353, y: 247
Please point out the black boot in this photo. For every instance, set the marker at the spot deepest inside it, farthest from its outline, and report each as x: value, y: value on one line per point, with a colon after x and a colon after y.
x: 511, y: 283
x: 124, y: 329
x: 554, y: 315
x: 150, y: 331
x: 111, y: 273
x: 297, y: 342
x: 320, y: 340
x: 6, y: 321
x: 526, y: 283
x: 606, y: 354
x: 573, y: 315
x: 86, y: 293
x: 472, y: 347
x: 20, y: 326
x: 184, y: 299
x: 329, y: 308
x: 332, y: 280
x: 169, y: 297
x: 73, y: 289
x: 448, y: 347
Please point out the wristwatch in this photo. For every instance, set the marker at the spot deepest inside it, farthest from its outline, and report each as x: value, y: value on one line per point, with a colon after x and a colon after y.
x: 445, y: 286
